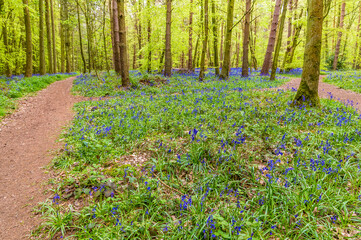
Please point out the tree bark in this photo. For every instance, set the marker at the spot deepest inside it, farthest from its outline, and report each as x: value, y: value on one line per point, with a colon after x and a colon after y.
x: 62, y: 40
x: 53, y: 37
x: 80, y: 39
x: 104, y: 38
x: 48, y: 36
x: 195, y: 54
x: 308, y: 89
x: 228, y: 41
x: 140, y: 35
x: 339, y: 37
x: 168, y: 52
x: 246, y: 37
x: 42, y: 69
x: 205, y: 41
x: 279, y: 41
x: 215, y: 39
x: 67, y: 37
x: 116, y: 46
x: 190, y: 41
x: 149, y: 67
x: 124, y: 63
x: 272, y: 39
x: 221, y: 50
x: 29, y: 43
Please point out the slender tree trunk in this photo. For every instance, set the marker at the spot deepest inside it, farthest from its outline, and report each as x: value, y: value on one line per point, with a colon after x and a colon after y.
x: 228, y: 41
x: 168, y: 52
x: 140, y: 35
x: 308, y: 89
x: 124, y: 63
x: 238, y: 43
x: 272, y: 39
x: 289, y: 36
x: 149, y: 38
x: 116, y: 49
x: 42, y: 69
x: 221, y: 50
x: 62, y: 40
x: 215, y: 39
x: 80, y: 39
x: 161, y: 61
x: 53, y: 37
x: 6, y: 43
x: 104, y: 38
x: 29, y: 43
x: 358, y: 46
x: 67, y: 37
x: 48, y: 36
x: 190, y: 41
x: 246, y: 37
x: 205, y: 42
x: 195, y: 54
x: 339, y: 37
x: 279, y: 41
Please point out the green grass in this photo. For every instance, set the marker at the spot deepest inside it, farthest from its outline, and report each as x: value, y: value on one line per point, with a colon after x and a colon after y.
x: 17, y: 87
x: 350, y: 80
x: 218, y: 160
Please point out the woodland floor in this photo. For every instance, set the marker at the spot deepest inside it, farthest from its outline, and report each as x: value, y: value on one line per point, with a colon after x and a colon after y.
x: 28, y: 141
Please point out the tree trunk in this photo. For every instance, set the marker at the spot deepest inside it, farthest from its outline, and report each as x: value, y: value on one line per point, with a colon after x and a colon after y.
x: 279, y: 41
x: 149, y: 67
x: 246, y: 37
x: 228, y: 42
x: 67, y: 37
x: 221, y: 50
x: 104, y: 39
x: 205, y: 42
x: 42, y: 69
x: 116, y: 49
x: 190, y: 41
x: 168, y: 52
x: 62, y: 40
x: 339, y: 37
x: 123, y: 45
x: 308, y: 89
x: 80, y: 39
x: 48, y: 36
x: 140, y: 36
x: 29, y: 43
x: 289, y: 36
x: 215, y: 39
x: 53, y: 37
x: 195, y: 54
x: 238, y: 43
x: 272, y: 39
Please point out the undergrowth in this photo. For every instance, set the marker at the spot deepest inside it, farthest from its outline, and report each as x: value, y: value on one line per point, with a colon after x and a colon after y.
x: 350, y: 80
x: 206, y: 160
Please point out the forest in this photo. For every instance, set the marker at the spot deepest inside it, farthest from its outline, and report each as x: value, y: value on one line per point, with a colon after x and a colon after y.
x: 180, y: 119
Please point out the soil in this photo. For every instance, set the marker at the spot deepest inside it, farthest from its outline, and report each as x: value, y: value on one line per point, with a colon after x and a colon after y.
x: 326, y: 90
x: 25, y: 140
x: 28, y: 136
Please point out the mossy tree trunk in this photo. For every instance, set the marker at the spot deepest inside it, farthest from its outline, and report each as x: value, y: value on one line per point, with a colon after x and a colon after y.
x: 48, y: 36
x: 168, y: 50
x: 53, y: 37
x: 116, y: 49
x: 308, y: 90
x: 42, y: 69
x: 228, y: 41
x: 205, y: 41
x: 190, y: 38
x: 215, y: 38
x: 29, y: 43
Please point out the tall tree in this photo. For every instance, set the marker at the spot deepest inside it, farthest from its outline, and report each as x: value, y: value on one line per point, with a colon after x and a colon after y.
x: 205, y: 41
x: 272, y: 39
x: 123, y: 45
x: 80, y: 38
x: 53, y: 35
x: 168, y: 52
x: 67, y: 36
x: 29, y: 43
x: 279, y: 41
x: 246, y: 37
x: 228, y: 41
x: 190, y: 38
x: 116, y: 46
x: 42, y: 70
x: 149, y: 37
x: 215, y: 38
x: 339, y: 36
x: 308, y: 89
x: 48, y: 36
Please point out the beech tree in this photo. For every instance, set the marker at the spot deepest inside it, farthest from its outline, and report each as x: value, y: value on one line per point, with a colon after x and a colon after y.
x: 205, y: 41
x: 29, y: 46
x: 308, y: 90
x: 246, y: 37
x: 168, y: 52
x: 339, y: 35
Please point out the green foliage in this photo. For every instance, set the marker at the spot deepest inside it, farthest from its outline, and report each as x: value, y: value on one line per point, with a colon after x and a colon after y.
x: 16, y: 87
x: 341, y: 64
x: 209, y: 159
x: 350, y: 80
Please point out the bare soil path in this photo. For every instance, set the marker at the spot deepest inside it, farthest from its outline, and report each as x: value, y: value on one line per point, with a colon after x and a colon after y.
x: 25, y: 140
x: 326, y: 90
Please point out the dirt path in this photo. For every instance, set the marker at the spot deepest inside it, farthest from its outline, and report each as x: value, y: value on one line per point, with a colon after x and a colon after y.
x: 326, y: 90
x: 25, y: 139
